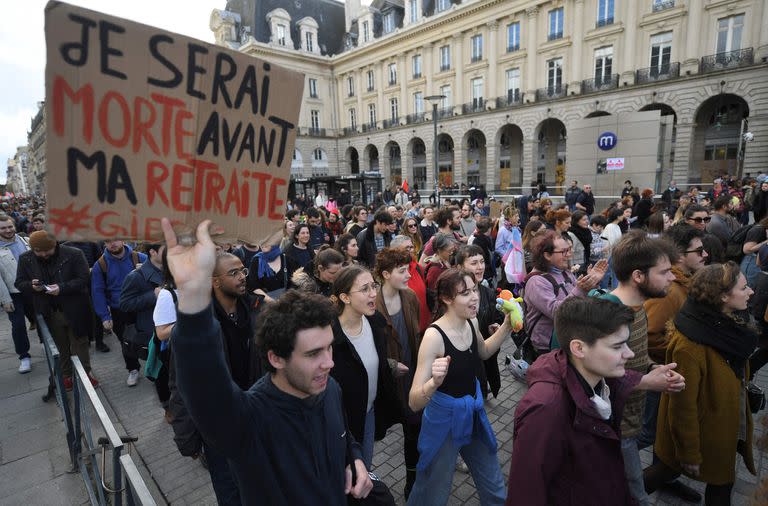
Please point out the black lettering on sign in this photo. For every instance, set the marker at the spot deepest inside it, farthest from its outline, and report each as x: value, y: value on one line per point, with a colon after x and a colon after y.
x: 154, y: 50
x: 105, y: 27
x: 106, y: 184
x: 193, y: 69
x: 76, y: 53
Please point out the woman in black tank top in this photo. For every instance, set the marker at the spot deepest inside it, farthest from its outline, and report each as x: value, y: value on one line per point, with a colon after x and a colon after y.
x: 446, y: 386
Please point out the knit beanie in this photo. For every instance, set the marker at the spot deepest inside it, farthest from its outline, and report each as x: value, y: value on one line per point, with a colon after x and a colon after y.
x: 42, y: 241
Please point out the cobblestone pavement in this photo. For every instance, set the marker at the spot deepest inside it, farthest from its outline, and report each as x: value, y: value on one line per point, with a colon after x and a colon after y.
x: 179, y: 480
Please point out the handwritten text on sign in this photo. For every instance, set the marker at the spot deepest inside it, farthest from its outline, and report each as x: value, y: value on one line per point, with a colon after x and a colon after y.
x: 143, y: 123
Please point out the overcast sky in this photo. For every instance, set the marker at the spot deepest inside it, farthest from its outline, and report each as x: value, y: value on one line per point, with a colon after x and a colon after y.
x: 22, y: 52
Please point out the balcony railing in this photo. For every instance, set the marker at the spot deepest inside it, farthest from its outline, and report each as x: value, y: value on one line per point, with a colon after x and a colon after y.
x: 514, y: 97
x: 604, y: 22
x: 370, y: 88
x: 727, y: 60
x: 392, y: 122
x: 370, y: 127
x: 476, y: 58
x: 349, y: 131
x: 662, y: 5
x: 443, y: 67
x: 513, y: 48
x: 417, y: 75
x: 555, y: 35
x: 476, y: 105
x: 445, y: 112
x: 314, y: 132
x: 658, y: 73
x: 392, y: 82
x: 600, y: 84
x: 551, y: 92
x: 414, y: 118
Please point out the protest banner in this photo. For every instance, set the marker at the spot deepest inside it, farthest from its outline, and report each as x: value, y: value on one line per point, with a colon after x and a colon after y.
x: 495, y: 211
x: 143, y: 123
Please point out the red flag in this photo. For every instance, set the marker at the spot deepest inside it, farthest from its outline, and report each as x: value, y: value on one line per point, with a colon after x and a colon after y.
x: 405, y: 186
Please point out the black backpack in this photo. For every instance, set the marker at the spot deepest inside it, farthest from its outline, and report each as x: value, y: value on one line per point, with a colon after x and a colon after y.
x: 734, y: 250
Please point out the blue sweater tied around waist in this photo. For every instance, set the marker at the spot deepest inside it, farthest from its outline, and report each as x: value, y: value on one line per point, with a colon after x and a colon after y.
x: 445, y: 416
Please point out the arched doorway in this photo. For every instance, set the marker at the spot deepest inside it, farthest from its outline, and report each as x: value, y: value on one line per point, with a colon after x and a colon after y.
x: 319, y: 162
x: 297, y: 164
x: 392, y: 151
x: 352, y: 160
x: 445, y: 160
x: 716, y: 137
x: 474, y: 141
x: 550, y: 155
x: 418, y: 152
x: 510, y: 142
x: 371, y: 158
x: 667, y: 137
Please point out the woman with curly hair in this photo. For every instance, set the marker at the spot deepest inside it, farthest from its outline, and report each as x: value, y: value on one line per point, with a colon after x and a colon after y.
x: 703, y: 428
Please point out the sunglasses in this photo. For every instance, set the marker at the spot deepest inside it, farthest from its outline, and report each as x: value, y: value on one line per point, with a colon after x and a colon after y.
x: 701, y: 220
x: 700, y: 251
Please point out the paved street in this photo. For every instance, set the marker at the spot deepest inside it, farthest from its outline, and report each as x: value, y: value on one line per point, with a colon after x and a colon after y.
x: 34, y: 462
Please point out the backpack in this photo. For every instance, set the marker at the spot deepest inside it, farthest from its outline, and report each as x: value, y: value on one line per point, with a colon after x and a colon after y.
x: 103, y: 263
x: 734, y: 250
x: 522, y: 339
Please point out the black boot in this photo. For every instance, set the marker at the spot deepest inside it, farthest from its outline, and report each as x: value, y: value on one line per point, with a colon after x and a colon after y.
x: 681, y: 490
x: 410, y: 478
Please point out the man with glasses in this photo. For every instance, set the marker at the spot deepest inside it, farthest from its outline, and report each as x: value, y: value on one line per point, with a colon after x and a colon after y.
x: 697, y: 216
x: 687, y: 240
x: 236, y: 311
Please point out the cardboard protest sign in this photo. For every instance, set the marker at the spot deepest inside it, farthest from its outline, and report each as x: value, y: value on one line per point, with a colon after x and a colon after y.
x: 143, y: 123
x: 496, y: 208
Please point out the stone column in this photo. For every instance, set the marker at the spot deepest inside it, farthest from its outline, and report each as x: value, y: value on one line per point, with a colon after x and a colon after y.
x: 762, y: 45
x: 693, y: 33
x: 430, y: 157
x: 493, y: 32
x: 402, y: 106
x: 533, y: 44
x: 458, y: 58
x: 361, y: 86
x: 628, y: 63
x: 459, y: 161
x: 491, y: 166
x: 427, y: 68
x: 576, y: 49
x: 683, y: 152
x: 529, y: 161
x: 382, y: 80
x: 756, y: 152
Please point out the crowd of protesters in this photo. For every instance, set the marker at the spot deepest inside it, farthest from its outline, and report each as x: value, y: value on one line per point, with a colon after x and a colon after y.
x: 280, y: 365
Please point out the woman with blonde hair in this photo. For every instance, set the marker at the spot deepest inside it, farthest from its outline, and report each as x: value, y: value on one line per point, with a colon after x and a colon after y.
x: 703, y: 428
x: 411, y: 230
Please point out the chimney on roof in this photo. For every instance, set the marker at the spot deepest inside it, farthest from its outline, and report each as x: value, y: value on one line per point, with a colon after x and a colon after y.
x: 351, y: 12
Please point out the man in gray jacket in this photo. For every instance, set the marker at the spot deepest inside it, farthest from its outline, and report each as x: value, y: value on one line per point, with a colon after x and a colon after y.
x: 11, y: 247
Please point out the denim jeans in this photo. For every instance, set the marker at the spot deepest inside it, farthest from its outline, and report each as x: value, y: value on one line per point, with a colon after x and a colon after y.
x: 633, y: 468
x: 222, y: 478
x: 433, y: 485
x: 651, y: 414
x: 19, y: 326
x: 367, y: 442
x: 750, y: 269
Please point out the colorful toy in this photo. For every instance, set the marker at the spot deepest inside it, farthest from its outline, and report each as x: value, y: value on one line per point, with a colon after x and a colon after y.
x: 507, y: 303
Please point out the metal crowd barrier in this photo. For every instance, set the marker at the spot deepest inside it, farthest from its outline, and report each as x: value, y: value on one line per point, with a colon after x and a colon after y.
x: 83, y: 448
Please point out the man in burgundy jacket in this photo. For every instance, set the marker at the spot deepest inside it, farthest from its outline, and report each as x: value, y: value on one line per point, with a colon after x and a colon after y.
x: 567, y: 438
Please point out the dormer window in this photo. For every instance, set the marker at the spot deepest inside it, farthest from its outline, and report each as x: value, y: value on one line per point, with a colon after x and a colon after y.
x: 308, y: 28
x: 280, y: 27
x: 389, y: 22
x: 366, y: 31
x: 281, y: 30
x: 309, y: 44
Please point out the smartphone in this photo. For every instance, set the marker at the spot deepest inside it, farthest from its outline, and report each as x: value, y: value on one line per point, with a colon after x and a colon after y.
x: 48, y: 288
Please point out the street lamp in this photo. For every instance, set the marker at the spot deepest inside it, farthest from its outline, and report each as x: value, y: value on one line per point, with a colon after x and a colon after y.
x: 435, y: 99
x: 745, y: 136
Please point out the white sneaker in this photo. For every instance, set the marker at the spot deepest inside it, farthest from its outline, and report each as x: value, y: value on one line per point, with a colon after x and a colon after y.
x: 133, y: 378
x: 25, y: 366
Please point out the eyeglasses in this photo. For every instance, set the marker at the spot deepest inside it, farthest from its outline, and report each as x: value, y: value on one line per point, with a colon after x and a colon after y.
x: 366, y: 289
x: 563, y: 251
x: 700, y: 251
x: 701, y: 220
x: 235, y: 272
x: 412, y: 225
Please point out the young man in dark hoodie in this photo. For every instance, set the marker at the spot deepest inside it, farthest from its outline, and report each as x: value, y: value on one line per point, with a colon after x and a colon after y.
x: 567, y: 448
x: 285, y: 438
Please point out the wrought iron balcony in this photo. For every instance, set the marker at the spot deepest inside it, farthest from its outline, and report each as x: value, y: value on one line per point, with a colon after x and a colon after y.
x: 727, y: 60
x: 414, y: 118
x: 513, y: 48
x: 513, y: 97
x: 444, y: 68
x: 604, y: 22
x: 662, y: 5
x: 600, y: 84
x: 445, y: 112
x: 551, y: 92
x: 315, y: 132
x: 370, y: 127
x: 476, y: 105
x: 349, y: 131
x: 658, y: 73
x: 555, y: 35
x: 392, y: 122
x: 476, y: 58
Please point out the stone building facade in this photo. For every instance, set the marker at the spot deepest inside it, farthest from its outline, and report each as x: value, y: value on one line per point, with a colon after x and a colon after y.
x: 518, y: 77
x: 37, y: 167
